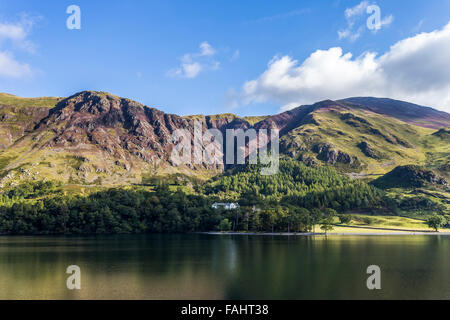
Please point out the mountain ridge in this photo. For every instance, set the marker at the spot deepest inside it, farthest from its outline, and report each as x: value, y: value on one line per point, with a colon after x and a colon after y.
x: 374, y: 104
x: 92, y: 136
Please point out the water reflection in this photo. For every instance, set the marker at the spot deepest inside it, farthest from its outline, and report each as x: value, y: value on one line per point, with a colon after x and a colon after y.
x: 222, y: 266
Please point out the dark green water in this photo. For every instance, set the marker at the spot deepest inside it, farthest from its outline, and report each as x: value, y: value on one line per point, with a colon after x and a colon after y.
x: 224, y: 266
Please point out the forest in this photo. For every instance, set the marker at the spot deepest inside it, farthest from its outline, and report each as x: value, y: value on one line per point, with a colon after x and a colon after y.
x: 295, y: 200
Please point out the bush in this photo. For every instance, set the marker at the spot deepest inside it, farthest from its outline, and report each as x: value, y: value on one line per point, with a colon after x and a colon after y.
x: 367, y: 220
x: 436, y: 221
x: 225, y: 225
x: 345, y: 218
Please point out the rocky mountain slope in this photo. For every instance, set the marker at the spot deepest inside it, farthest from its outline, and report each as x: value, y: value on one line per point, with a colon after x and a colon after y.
x: 99, y: 138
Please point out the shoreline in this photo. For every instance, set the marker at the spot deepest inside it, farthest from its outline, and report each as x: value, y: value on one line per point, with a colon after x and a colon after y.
x: 342, y: 230
x: 306, y: 234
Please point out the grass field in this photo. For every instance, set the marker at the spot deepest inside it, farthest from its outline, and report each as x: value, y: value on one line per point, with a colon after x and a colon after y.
x: 385, y: 222
x: 340, y: 229
x: 392, y: 222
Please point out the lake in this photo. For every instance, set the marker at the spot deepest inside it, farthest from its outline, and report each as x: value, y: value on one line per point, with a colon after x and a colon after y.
x: 201, y: 266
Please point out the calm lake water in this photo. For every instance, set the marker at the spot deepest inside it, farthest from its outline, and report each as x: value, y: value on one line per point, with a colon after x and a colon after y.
x: 225, y: 267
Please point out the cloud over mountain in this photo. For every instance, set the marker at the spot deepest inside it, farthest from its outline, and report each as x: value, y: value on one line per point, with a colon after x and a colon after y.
x: 415, y: 69
x: 193, y: 63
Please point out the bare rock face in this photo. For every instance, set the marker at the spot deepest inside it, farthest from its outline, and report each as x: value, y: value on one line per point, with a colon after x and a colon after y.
x: 16, y: 122
x: 330, y: 154
x: 369, y: 151
x: 115, y: 125
x: 353, y: 120
x: 443, y: 133
x: 124, y: 131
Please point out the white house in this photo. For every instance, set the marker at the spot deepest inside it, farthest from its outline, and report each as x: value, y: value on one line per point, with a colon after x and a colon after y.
x: 226, y: 206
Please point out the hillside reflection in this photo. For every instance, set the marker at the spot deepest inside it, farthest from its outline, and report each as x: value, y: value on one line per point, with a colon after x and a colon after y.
x: 223, y: 266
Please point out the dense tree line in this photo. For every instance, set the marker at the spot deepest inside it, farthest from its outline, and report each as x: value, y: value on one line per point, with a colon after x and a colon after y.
x: 298, y: 185
x: 109, y: 211
x: 134, y: 210
x: 296, y: 199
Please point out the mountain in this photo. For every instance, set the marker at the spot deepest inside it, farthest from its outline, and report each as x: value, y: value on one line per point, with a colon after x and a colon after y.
x: 99, y: 138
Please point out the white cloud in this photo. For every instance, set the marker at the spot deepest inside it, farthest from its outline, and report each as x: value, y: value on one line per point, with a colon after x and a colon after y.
x: 192, y: 64
x: 235, y: 55
x: 387, y: 20
x: 357, y: 10
x: 416, y: 69
x: 15, y: 36
x: 11, y: 68
x: 11, y: 31
x: 191, y: 70
x: 351, y: 35
x: 18, y: 33
x: 419, y: 25
x: 207, y: 49
x: 356, y: 14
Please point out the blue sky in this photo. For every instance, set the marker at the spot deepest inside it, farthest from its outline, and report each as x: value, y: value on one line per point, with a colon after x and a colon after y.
x: 242, y: 56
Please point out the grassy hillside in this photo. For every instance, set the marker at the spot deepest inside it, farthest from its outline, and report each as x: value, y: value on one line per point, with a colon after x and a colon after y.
x: 15, y: 101
x: 254, y: 119
x: 376, y: 143
x: 411, y: 177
